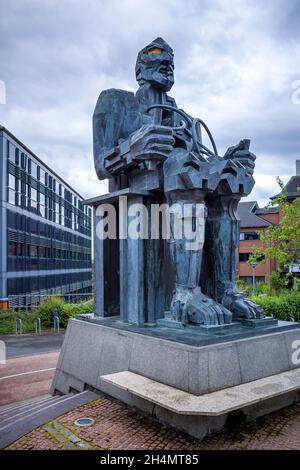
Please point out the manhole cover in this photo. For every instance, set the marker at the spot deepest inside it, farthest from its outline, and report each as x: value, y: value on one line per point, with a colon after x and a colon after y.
x: 84, y: 422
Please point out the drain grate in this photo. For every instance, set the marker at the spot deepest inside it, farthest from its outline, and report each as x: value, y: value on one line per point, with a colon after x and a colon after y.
x: 84, y: 422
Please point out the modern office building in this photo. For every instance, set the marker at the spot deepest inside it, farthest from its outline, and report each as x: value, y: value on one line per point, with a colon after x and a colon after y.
x: 45, y: 230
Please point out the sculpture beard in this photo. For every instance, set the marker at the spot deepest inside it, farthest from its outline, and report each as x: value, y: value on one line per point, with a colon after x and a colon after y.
x: 159, y: 74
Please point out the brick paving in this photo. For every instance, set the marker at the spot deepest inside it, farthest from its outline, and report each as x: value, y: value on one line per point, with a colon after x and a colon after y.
x: 119, y: 428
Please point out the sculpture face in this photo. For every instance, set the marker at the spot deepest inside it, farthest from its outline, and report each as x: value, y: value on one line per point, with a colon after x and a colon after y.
x: 155, y: 65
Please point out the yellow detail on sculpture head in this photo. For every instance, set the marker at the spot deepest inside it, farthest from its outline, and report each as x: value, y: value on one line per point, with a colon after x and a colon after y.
x: 155, y: 51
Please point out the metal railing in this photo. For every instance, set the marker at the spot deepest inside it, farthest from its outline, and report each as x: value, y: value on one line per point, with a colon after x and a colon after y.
x: 18, y: 326
x: 56, y: 324
x: 28, y: 302
x: 38, y: 326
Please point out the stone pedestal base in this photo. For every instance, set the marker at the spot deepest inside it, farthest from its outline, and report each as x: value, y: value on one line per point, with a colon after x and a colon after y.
x: 171, y: 323
x: 92, y: 350
x: 258, y: 323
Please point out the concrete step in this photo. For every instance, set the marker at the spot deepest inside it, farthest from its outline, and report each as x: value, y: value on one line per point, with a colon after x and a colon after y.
x: 210, y: 404
x: 25, y: 418
x: 12, y: 415
x: 12, y: 406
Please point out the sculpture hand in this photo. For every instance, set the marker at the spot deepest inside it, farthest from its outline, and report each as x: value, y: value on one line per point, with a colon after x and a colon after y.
x: 151, y: 142
x: 241, y: 153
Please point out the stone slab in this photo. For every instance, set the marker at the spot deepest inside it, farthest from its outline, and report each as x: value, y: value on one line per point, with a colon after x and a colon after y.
x: 260, y: 322
x: 197, y: 328
x: 263, y: 356
x: 213, y: 404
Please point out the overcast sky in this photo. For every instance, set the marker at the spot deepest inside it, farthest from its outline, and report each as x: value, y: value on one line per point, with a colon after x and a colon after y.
x: 235, y: 63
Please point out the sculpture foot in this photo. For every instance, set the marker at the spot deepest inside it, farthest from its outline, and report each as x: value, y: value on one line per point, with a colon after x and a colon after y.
x: 192, y: 306
x: 241, y: 306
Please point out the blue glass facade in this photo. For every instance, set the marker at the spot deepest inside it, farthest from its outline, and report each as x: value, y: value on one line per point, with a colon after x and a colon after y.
x: 45, y: 230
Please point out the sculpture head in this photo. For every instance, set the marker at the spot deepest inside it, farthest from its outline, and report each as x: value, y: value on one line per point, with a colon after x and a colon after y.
x: 155, y: 65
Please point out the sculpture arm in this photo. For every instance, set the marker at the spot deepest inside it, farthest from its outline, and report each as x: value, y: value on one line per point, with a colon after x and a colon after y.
x: 110, y: 133
x: 121, y: 142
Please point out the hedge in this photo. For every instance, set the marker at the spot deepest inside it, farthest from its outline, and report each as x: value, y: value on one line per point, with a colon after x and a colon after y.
x: 284, y: 307
x: 45, y: 313
x: 65, y: 311
x: 8, y: 321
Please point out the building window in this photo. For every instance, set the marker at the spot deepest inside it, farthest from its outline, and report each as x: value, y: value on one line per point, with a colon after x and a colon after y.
x: 42, y: 199
x: 11, y: 196
x: 20, y: 249
x: 34, y: 169
x: 12, y: 182
x: 33, y: 199
x: 12, y: 249
x: 11, y: 151
x: 17, y: 157
x: 11, y: 193
x: 41, y: 210
x: 244, y: 257
x: 23, y: 161
x: 245, y: 236
x: 33, y: 251
x: 42, y: 175
x: 249, y: 279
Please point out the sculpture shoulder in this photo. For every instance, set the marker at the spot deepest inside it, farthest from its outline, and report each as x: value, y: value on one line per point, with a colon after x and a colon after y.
x: 114, y: 100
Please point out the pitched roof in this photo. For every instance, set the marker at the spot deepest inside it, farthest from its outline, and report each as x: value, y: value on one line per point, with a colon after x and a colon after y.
x: 291, y: 188
x: 247, y: 213
x: 266, y: 210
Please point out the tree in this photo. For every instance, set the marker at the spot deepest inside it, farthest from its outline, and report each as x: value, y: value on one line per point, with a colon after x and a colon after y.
x: 281, y: 242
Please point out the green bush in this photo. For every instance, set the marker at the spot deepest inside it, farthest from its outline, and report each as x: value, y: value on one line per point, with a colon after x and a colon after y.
x: 45, y: 313
x: 243, y: 287
x: 65, y: 311
x: 8, y: 321
x: 262, y: 288
x: 276, y: 281
x: 87, y: 307
x: 46, y: 308
x: 283, y: 307
x: 296, y: 285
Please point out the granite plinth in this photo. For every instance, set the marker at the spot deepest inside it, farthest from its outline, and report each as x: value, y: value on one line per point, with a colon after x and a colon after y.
x: 208, y: 363
x: 170, y: 323
x: 259, y: 322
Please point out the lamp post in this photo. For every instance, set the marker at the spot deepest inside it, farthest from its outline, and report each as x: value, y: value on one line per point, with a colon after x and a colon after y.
x: 253, y: 277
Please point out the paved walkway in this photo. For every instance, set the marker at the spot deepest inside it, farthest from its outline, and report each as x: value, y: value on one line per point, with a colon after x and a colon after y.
x: 118, y: 427
x: 26, y: 377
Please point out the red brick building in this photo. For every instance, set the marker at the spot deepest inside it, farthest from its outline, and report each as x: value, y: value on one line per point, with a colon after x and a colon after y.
x: 254, y: 219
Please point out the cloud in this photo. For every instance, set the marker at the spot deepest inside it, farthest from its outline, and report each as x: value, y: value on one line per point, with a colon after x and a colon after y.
x: 235, y: 64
